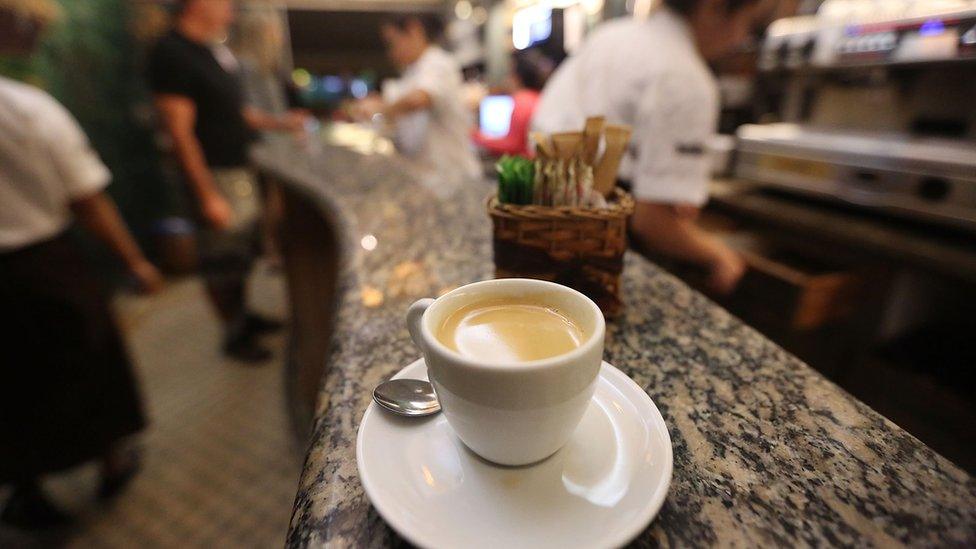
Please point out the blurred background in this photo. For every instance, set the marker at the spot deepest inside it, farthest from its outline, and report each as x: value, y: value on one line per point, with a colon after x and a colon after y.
x: 844, y: 171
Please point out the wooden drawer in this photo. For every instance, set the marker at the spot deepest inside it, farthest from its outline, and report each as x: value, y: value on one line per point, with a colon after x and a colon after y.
x: 783, y: 286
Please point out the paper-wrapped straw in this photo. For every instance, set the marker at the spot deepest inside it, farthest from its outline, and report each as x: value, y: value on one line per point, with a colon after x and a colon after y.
x: 605, y: 172
x: 566, y: 173
x: 592, y: 133
x: 539, y: 181
x: 567, y: 143
x: 545, y: 153
x: 543, y: 145
x: 549, y: 170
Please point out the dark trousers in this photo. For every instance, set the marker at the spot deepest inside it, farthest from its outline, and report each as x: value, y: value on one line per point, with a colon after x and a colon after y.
x: 67, y: 389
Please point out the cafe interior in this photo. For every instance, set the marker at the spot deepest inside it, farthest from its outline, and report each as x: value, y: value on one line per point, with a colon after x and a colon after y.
x: 487, y: 273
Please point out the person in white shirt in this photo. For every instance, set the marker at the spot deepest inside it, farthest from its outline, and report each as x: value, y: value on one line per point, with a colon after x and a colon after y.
x: 67, y: 390
x: 652, y: 75
x: 425, y: 106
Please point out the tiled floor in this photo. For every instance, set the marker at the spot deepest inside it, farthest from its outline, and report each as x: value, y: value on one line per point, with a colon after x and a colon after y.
x: 220, y: 464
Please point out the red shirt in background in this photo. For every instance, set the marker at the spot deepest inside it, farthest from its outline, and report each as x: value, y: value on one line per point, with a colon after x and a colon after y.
x: 517, y: 139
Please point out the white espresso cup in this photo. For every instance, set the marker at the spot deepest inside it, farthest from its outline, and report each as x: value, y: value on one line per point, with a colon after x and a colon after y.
x: 512, y: 413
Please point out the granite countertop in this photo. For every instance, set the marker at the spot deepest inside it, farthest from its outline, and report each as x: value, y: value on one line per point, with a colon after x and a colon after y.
x: 766, y: 450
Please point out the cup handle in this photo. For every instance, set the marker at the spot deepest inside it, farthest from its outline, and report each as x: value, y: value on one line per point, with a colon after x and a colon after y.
x: 414, y: 315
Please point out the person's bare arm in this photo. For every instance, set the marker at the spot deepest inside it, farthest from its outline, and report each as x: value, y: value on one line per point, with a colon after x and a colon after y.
x: 178, y: 115
x: 98, y: 214
x: 671, y: 230
x: 417, y: 100
x: 662, y: 229
x: 257, y: 119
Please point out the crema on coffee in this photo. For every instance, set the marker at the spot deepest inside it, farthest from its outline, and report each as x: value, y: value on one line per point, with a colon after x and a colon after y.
x: 509, y: 330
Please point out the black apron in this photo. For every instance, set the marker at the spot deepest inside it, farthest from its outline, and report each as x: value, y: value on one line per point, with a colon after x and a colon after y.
x: 67, y: 389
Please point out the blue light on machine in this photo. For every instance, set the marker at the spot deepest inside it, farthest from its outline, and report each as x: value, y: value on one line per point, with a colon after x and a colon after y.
x: 359, y: 88
x: 932, y: 27
x: 332, y: 84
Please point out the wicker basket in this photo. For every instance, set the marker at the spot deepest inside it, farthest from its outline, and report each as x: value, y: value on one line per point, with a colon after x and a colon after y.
x: 580, y: 248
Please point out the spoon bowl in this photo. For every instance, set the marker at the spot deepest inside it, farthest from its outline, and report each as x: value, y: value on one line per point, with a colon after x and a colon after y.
x: 407, y: 397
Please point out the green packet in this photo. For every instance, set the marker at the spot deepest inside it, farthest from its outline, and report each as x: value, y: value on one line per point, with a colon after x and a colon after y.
x: 516, y: 179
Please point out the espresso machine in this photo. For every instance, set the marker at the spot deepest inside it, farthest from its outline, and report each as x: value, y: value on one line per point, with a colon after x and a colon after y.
x: 874, y: 106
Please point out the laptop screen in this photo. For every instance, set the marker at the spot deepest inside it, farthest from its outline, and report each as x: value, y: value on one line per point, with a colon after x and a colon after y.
x: 495, y: 115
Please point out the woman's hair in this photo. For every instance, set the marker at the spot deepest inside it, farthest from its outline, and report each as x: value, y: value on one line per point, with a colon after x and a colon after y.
x: 532, y: 68
x: 687, y: 7
x: 259, y: 38
x: 432, y: 24
x: 41, y: 12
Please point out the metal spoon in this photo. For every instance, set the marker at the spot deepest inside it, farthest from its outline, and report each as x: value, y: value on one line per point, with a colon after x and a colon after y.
x: 407, y: 397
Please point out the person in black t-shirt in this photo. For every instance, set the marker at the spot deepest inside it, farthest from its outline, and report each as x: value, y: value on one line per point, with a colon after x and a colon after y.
x: 197, y: 92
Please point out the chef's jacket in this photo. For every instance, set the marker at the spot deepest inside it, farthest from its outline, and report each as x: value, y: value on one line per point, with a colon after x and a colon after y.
x: 438, y: 139
x: 647, y: 74
x: 46, y: 162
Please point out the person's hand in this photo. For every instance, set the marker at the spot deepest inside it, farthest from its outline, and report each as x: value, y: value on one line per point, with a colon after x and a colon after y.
x: 365, y: 108
x: 217, y: 211
x: 149, y: 278
x: 294, y: 120
x: 726, y: 270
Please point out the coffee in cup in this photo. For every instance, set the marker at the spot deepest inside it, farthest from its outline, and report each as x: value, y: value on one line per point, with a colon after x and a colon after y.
x: 509, y: 330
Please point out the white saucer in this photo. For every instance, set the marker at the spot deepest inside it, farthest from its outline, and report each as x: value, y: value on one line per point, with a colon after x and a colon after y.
x: 600, y: 490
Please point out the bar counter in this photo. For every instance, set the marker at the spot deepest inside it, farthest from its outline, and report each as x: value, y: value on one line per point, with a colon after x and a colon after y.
x: 766, y: 450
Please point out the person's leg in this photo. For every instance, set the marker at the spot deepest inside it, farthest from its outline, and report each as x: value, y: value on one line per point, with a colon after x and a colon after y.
x: 224, y: 265
x: 226, y: 294
x: 226, y: 259
x: 112, y: 383
x: 28, y: 508
x: 259, y: 324
x: 264, y: 240
x: 78, y: 393
x: 119, y: 466
x: 227, y: 291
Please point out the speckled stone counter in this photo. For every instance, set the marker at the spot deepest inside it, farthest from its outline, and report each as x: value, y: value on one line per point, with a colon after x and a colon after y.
x: 766, y: 450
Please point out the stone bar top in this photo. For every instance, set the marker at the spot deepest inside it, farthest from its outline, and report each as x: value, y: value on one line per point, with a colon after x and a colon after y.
x: 767, y: 452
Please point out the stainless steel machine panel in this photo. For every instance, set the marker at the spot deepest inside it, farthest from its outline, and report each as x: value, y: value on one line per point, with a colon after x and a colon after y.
x: 925, y: 178
x: 941, y: 38
x: 846, y: 33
